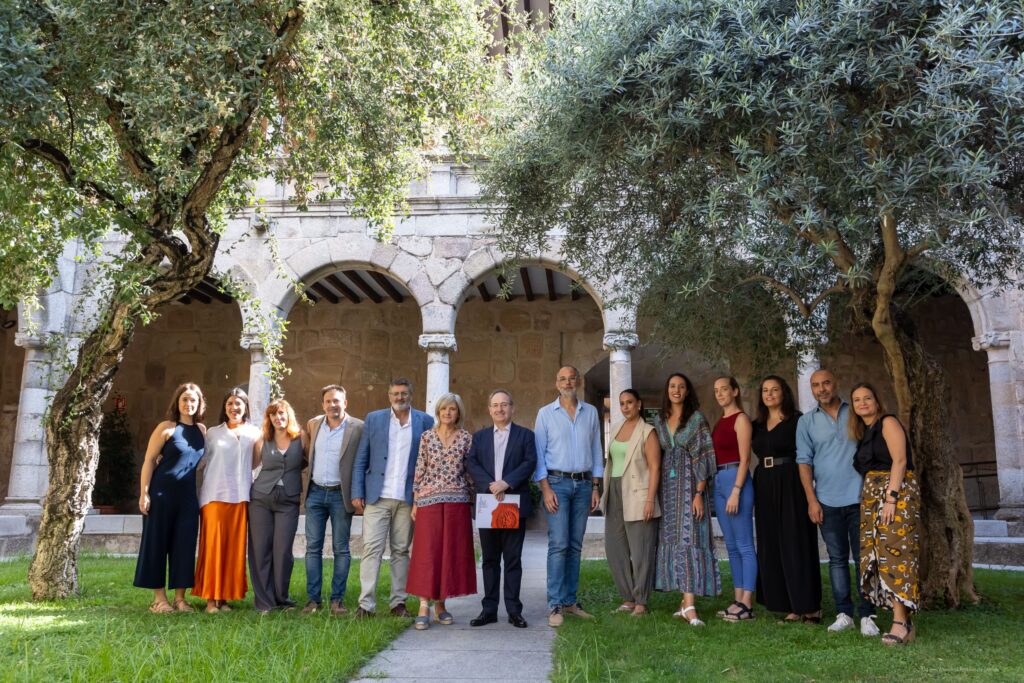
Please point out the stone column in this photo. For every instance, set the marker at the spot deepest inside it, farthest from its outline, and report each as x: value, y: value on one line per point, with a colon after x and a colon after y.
x: 620, y: 345
x: 439, y: 348
x: 259, y: 379
x: 29, y: 475
x: 1007, y: 390
x: 806, y: 364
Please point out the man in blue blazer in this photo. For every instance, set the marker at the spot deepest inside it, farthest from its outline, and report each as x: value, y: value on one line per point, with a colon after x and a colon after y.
x: 501, y: 460
x: 382, y: 477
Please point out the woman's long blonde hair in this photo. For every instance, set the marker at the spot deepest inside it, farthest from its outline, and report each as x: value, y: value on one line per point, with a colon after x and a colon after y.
x: 293, y: 427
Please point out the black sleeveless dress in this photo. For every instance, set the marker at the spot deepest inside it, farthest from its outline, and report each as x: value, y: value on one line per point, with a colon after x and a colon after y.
x: 167, y: 553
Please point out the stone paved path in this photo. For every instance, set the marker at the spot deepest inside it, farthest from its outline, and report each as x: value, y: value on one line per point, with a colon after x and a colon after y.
x: 462, y: 653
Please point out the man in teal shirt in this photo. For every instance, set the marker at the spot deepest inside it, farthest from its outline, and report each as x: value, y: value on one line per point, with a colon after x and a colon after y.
x: 824, y: 453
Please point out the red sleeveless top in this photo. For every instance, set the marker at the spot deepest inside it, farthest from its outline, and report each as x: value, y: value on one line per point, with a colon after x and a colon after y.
x: 727, y: 448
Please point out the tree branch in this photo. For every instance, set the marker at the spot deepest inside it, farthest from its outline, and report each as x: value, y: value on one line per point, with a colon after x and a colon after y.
x: 89, y: 189
x: 132, y: 149
x: 804, y: 309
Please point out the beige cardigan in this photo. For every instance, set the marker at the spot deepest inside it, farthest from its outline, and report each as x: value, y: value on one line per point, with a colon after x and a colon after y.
x: 635, y: 477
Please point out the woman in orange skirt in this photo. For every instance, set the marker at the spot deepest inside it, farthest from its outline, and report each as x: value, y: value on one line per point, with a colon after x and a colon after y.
x: 442, y: 564
x: 223, y: 499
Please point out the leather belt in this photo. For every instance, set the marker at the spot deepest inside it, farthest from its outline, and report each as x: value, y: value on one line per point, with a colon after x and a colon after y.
x: 769, y: 462
x: 575, y: 476
x: 327, y: 488
x: 728, y: 466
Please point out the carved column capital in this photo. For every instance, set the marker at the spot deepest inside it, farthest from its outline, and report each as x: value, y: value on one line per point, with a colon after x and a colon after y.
x: 620, y: 340
x: 251, y: 342
x: 991, y: 340
x: 438, y: 342
x: 31, y: 341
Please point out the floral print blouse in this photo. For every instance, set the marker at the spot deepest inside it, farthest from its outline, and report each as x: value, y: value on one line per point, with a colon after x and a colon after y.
x: 441, y: 475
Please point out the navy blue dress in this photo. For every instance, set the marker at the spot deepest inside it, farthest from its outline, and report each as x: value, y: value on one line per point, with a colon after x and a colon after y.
x: 170, y: 530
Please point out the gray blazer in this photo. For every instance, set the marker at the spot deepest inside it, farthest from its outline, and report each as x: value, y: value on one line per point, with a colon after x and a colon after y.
x: 349, y: 446
x: 287, y: 466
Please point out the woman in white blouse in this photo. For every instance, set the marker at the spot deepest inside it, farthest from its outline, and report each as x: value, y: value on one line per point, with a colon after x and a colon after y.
x: 223, y: 497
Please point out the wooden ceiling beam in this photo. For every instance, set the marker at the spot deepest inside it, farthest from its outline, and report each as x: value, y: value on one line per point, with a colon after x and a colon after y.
x: 484, y: 294
x: 524, y: 275
x: 387, y: 286
x: 320, y: 289
x: 364, y: 286
x: 549, y: 275
x: 345, y: 290
x: 199, y: 296
x: 503, y: 286
x: 210, y: 289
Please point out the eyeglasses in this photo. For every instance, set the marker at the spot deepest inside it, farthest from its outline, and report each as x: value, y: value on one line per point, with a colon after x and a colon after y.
x: 501, y: 405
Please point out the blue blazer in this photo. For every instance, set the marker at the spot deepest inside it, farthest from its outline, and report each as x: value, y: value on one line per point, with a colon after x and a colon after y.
x: 372, y: 456
x: 520, y: 461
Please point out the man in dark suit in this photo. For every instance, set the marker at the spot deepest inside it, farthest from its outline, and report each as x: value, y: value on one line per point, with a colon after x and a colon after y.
x: 382, y: 492
x: 331, y: 450
x: 501, y: 460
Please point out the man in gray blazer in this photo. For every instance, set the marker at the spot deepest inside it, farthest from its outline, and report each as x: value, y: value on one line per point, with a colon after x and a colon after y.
x: 382, y: 491
x: 332, y: 444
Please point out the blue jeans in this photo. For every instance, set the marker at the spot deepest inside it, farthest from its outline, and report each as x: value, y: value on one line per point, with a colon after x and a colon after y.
x: 322, y: 505
x: 737, y: 529
x: 840, y: 530
x: 565, y: 538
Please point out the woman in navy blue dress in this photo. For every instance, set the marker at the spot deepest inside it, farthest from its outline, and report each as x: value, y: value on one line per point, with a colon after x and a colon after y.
x: 168, y: 501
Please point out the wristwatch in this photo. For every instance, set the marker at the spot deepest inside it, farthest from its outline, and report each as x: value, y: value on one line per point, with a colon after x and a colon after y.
x: 894, y: 495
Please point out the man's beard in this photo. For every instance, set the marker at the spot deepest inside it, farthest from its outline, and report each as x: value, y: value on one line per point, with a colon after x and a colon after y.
x: 400, y: 405
x: 567, y: 393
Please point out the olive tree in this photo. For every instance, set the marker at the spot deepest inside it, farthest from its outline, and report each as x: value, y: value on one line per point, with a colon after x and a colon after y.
x: 758, y: 160
x: 145, y: 123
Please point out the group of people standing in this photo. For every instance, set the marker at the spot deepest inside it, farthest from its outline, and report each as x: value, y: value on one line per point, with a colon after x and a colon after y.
x: 847, y: 471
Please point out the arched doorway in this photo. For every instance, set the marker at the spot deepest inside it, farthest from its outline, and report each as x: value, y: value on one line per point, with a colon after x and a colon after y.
x: 516, y: 333
x: 359, y: 329
x: 11, y: 362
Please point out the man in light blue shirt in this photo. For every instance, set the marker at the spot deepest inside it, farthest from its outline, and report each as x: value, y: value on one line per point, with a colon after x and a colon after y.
x: 569, y: 464
x: 824, y: 454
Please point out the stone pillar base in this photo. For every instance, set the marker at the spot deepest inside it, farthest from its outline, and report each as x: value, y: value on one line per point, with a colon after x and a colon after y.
x: 1014, y: 518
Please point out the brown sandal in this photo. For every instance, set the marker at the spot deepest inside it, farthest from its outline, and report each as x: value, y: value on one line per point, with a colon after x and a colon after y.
x: 182, y: 606
x: 161, y: 607
x: 893, y: 639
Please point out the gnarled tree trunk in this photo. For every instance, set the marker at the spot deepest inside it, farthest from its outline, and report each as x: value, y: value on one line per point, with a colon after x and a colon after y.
x: 73, y: 425
x: 947, y: 531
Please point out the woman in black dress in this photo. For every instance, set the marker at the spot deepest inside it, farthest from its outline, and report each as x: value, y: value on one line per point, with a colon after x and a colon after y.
x: 168, y: 501
x: 788, y: 577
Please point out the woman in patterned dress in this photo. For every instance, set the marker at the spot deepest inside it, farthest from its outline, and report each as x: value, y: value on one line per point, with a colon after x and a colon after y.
x: 890, y: 512
x: 686, y: 553
x: 442, y: 563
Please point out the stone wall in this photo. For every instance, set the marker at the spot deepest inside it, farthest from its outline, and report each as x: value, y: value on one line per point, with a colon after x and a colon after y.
x: 360, y: 346
x: 519, y: 346
x: 195, y: 343
x: 945, y: 328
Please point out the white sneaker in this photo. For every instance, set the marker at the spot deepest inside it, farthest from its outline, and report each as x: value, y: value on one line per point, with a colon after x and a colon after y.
x: 868, y: 627
x: 842, y: 622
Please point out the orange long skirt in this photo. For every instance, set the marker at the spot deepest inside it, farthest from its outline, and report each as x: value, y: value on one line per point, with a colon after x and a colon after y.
x: 220, y: 568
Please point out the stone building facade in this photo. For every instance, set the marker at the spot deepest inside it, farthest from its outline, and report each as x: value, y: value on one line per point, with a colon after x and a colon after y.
x: 435, y: 317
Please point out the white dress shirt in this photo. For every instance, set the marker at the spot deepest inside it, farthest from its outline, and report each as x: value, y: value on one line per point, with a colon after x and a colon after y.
x: 500, y: 445
x: 397, y: 469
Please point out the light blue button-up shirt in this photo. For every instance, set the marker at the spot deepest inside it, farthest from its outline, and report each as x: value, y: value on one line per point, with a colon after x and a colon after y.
x: 568, y: 445
x: 823, y: 443
x: 327, y: 448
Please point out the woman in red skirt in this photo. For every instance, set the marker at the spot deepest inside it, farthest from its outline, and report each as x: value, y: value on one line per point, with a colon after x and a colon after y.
x: 442, y: 564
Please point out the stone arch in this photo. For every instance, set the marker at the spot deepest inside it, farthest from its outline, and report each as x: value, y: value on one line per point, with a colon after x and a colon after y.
x: 344, y: 251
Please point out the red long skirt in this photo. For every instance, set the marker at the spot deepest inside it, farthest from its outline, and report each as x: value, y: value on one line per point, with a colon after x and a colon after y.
x: 442, y: 564
x: 220, y: 568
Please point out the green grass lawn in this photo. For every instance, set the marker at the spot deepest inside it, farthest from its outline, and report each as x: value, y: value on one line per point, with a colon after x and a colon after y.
x: 980, y: 643
x: 107, y: 634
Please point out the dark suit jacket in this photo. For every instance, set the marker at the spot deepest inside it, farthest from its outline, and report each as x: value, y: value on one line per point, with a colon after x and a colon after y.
x: 349, y: 447
x: 372, y: 456
x: 520, y: 461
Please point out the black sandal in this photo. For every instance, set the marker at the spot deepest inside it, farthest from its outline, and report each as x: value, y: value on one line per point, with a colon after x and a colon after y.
x: 722, y: 612
x: 811, y: 619
x: 893, y: 639
x: 744, y: 613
